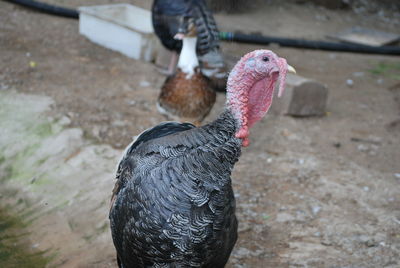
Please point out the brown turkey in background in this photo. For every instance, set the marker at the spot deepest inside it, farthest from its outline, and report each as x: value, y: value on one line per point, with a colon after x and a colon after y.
x: 187, y: 95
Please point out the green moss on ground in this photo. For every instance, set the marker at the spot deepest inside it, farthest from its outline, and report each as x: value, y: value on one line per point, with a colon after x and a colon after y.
x: 13, y: 252
x: 390, y: 70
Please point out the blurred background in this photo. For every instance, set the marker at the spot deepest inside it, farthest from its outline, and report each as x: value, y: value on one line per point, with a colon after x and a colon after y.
x: 313, y: 190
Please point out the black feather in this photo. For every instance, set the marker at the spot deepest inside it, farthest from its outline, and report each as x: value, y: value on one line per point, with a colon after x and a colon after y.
x: 174, y: 204
x: 161, y: 130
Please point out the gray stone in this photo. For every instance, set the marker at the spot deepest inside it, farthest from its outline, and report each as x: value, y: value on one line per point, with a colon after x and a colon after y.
x: 303, y: 97
x: 326, y: 241
x: 371, y: 243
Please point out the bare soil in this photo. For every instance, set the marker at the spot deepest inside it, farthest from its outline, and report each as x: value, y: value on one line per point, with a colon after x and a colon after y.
x: 311, y: 192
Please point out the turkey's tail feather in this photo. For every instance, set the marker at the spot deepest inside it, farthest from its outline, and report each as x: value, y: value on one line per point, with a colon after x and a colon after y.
x: 207, y: 30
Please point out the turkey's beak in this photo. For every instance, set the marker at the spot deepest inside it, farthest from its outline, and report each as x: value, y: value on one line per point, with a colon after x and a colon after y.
x: 291, y: 69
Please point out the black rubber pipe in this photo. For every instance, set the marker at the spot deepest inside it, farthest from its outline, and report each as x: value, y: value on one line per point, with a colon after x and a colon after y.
x: 239, y: 37
x: 300, y: 43
x: 46, y: 8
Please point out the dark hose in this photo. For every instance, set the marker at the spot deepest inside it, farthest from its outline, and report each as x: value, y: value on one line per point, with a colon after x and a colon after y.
x: 46, y: 8
x: 300, y: 43
x: 239, y: 37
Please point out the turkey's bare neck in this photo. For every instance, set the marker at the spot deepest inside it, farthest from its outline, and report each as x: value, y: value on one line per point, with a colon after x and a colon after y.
x: 188, y: 59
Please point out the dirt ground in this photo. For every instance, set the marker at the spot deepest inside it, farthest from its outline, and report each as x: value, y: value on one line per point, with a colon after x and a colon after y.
x: 311, y: 192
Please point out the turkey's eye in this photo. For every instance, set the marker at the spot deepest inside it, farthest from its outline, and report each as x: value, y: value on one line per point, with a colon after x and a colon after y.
x: 265, y: 58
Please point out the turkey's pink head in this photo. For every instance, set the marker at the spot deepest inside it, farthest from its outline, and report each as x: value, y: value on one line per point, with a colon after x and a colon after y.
x: 250, y: 88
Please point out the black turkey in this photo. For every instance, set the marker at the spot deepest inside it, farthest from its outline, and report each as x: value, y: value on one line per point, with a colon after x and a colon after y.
x: 173, y: 203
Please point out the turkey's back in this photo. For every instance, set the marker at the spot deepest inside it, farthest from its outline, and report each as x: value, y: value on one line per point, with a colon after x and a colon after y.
x: 173, y: 204
x: 189, y: 99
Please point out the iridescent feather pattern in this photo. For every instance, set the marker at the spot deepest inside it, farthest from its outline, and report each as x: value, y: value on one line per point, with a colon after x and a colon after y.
x: 173, y: 204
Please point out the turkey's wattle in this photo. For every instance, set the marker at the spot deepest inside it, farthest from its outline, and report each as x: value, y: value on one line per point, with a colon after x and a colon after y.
x: 173, y: 203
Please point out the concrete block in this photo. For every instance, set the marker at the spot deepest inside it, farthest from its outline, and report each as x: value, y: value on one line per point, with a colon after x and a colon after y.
x: 121, y: 27
x: 303, y: 97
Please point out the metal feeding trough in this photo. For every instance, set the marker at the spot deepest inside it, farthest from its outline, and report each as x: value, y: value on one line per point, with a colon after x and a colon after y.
x: 121, y: 27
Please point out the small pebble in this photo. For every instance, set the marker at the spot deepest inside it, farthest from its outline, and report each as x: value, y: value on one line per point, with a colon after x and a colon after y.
x: 349, y: 82
x: 326, y: 241
x: 131, y: 102
x: 366, y: 188
x: 358, y: 74
x: 144, y: 83
x: 64, y: 121
x: 71, y: 114
x: 321, y: 17
x: 242, y: 252
x: 362, y: 147
x: 316, y: 209
x: 337, y: 144
x: 119, y: 123
x: 370, y: 243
